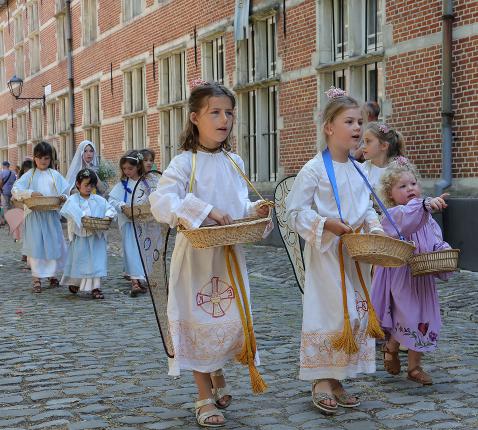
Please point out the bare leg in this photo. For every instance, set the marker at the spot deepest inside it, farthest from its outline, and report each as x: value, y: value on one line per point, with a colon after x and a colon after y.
x: 204, y: 384
x: 218, y: 381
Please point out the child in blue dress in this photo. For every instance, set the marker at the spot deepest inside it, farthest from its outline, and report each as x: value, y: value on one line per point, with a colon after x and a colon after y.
x: 86, y: 262
x: 43, y: 241
x: 131, y: 167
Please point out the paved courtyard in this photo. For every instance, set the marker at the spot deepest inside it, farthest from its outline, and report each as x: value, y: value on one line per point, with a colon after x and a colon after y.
x: 74, y: 363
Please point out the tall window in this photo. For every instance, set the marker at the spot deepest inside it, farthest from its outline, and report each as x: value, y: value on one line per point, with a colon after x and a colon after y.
x: 172, y: 101
x: 63, y: 131
x: 22, y: 135
x: 61, y: 34
x: 132, y: 8
x: 354, y: 64
x: 34, y: 36
x: 340, y: 12
x: 373, y: 25
x: 213, y: 60
x: 37, y: 124
x: 2, y: 62
x: 134, y: 108
x: 51, y: 119
x: 91, y: 115
x: 18, y: 39
x: 90, y: 21
x: 3, y: 134
x: 258, y: 100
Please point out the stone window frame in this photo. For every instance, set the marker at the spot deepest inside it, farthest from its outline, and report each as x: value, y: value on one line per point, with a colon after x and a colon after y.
x: 34, y: 35
x: 129, y: 11
x: 257, y: 89
x: 134, y: 106
x: 213, y: 58
x: 360, y: 71
x: 92, y: 123
x: 36, y: 119
x: 89, y: 16
x: 22, y: 130
x: 173, y: 95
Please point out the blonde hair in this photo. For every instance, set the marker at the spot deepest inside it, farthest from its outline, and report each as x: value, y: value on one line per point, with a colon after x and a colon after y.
x: 334, y: 107
x: 396, y: 143
x: 391, y: 176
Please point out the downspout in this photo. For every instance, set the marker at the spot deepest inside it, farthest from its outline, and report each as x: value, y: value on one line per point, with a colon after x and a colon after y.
x: 447, y: 108
x: 71, y: 82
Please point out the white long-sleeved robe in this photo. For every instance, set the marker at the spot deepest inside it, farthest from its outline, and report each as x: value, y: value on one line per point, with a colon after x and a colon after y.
x: 309, y: 204
x: 86, y: 262
x: 43, y: 241
x: 204, y: 320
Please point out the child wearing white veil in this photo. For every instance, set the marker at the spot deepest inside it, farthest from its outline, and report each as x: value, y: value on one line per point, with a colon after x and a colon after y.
x: 85, y: 158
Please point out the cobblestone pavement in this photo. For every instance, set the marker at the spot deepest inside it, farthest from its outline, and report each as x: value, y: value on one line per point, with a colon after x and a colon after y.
x: 73, y: 363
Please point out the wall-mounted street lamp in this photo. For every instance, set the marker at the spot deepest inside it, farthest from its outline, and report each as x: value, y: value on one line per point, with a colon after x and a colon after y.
x: 15, y: 86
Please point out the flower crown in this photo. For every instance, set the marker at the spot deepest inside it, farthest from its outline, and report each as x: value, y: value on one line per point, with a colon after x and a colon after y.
x: 401, y: 161
x: 198, y: 83
x: 384, y: 128
x: 85, y: 174
x: 139, y: 157
x: 333, y: 93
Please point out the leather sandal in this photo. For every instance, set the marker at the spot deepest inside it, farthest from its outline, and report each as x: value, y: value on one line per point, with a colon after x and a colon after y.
x: 202, y: 418
x: 391, y: 366
x: 73, y: 289
x: 135, y: 288
x: 346, y: 400
x: 54, y: 283
x: 97, y: 294
x: 319, y: 398
x: 417, y: 374
x: 220, y: 393
x: 36, y: 286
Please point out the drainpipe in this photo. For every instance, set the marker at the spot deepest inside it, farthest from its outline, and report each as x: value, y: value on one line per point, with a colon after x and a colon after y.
x: 447, y: 109
x: 71, y: 82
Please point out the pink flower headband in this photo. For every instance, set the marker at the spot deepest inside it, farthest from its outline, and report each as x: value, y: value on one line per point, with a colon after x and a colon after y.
x: 334, y: 93
x: 384, y: 128
x: 198, y: 83
x: 401, y: 160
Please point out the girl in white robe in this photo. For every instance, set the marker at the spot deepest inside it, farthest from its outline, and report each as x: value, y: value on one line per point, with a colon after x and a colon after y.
x: 43, y: 241
x: 132, y: 169
x: 86, y: 262
x: 313, y: 212
x: 204, y: 320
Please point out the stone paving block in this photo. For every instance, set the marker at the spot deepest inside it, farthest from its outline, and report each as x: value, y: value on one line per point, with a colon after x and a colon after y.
x: 13, y: 422
x: 42, y: 395
x: 10, y: 399
x: 86, y: 425
x: 447, y: 425
x: 165, y: 425
x: 16, y: 412
x: 137, y: 419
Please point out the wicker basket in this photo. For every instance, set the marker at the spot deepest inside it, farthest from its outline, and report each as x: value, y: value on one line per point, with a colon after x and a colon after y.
x: 16, y: 203
x: 434, y: 262
x: 141, y: 212
x: 95, y: 224
x: 43, y: 203
x: 245, y: 230
x: 378, y: 250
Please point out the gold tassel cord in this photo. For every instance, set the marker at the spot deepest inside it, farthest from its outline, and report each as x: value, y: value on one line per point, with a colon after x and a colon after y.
x: 246, y: 356
x: 344, y: 341
x: 373, y: 326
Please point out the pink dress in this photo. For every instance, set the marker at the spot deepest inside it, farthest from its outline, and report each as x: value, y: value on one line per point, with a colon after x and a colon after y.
x: 407, y: 306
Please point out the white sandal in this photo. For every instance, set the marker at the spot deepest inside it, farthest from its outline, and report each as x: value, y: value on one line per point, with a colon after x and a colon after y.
x: 201, y: 418
x: 221, y: 392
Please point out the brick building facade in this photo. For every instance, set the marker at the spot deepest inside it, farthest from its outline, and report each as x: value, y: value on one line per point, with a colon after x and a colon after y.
x: 133, y: 61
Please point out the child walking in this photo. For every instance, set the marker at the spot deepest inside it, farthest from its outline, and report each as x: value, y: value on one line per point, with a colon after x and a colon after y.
x: 338, y: 321
x: 200, y: 186
x: 43, y: 241
x: 131, y: 167
x: 407, y: 305
x: 86, y: 261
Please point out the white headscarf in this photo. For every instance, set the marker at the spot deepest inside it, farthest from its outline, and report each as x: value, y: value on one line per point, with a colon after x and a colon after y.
x: 77, y: 163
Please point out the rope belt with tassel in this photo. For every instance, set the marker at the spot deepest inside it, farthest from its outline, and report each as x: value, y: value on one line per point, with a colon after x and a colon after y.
x: 248, y: 352
x: 346, y: 340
